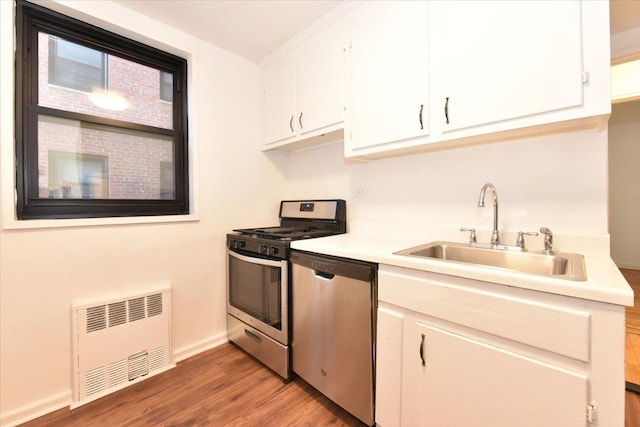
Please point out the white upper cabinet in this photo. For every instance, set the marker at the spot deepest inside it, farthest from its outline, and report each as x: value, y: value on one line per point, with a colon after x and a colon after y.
x: 388, y: 81
x: 479, y: 71
x: 304, y: 90
x: 320, y: 81
x: 279, y: 100
x: 425, y: 75
x: 503, y: 60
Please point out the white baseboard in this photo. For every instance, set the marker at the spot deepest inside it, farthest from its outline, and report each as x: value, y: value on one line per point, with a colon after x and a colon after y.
x: 35, y: 409
x: 628, y: 265
x: 45, y: 406
x: 200, y: 346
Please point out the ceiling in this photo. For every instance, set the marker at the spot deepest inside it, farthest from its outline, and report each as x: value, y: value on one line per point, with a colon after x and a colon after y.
x: 249, y: 28
x: 255, y: 28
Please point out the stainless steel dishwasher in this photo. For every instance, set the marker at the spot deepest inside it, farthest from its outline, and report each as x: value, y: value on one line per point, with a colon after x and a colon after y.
x: 334, y: 307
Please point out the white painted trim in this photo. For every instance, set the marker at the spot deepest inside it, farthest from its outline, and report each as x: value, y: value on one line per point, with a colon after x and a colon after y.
x: 329, y: 18
x: 200, y: 346
x: 629, y: 266
x: 35, y: 409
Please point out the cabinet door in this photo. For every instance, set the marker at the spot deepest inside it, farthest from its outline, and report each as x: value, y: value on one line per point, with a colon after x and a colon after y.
x: 279, y: 82
x: 457, y: 381
x: 502, y: 60
x: 320, y: 81
x: 387, y: 95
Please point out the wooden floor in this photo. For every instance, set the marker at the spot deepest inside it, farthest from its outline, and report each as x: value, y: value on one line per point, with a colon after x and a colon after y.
x: 225, y: 387
x: 220, y: 387
x: 632, y: 373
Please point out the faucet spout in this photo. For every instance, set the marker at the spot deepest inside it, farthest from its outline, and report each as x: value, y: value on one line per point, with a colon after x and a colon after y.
x: 495, y: 237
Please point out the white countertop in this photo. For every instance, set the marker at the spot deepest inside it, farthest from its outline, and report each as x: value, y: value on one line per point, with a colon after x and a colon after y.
x: 604, y: 281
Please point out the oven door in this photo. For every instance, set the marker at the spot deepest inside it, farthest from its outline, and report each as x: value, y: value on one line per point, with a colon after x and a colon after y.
x: 257, y: 294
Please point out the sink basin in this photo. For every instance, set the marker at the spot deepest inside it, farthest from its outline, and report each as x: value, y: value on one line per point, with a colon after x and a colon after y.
x: 567, y: 266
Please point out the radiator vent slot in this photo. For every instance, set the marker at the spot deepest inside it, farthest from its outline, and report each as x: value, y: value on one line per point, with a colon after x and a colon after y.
x: 138, y: 365
x: 154, y: 305
x: 136, y: 309
x: 118, y: 342
x: 96, y: 318
x: 95, y: 379
x: 117, y: 314
x: 117, y: 373
x: 156, y: 358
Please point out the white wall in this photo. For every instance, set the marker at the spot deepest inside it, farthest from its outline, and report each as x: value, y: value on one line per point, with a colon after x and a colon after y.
x: 557, y: 181
x: 624, y: 182
x: 43, y: 270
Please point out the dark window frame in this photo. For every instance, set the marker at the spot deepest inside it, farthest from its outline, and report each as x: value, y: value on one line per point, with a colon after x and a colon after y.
x: 32, y: 19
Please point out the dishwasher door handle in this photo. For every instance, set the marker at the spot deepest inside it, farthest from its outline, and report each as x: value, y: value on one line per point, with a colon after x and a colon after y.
x: 322, y: 275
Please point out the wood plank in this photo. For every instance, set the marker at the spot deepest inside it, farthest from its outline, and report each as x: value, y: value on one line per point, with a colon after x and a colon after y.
x: 632, y: 409
x: 632, y: 354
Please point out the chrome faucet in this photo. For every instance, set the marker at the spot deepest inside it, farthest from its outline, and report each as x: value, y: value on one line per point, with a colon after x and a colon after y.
x: 495, y: 238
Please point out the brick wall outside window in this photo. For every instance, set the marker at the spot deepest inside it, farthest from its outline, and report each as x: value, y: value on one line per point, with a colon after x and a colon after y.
x: 134, y: 160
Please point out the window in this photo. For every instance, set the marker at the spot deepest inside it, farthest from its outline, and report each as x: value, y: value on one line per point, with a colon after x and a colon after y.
x: 166, y: 86
x: 77, y: 176
x: 75, y: 66
x: 113, y: 145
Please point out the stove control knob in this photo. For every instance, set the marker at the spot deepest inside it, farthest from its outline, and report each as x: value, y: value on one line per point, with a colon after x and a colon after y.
x: 264, y: 249
x: 273, y: 250
x: 241, y: 244
x: 233, y: 244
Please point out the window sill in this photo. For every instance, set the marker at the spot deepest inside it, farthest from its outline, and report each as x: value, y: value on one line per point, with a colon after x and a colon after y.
x: 14, y: 224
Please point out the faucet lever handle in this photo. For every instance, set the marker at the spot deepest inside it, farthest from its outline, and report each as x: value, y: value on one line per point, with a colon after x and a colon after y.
x: 472, y: 236
x: 520, y: 239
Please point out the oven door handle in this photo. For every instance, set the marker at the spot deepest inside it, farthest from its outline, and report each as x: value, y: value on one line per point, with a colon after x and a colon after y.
x: 256, y: 260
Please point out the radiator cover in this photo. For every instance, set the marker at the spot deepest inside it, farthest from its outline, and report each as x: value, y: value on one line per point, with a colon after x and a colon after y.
x: 119, y: 341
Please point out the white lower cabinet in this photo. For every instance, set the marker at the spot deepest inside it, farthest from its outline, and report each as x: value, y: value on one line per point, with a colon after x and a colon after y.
x: 460, y: 381
x: 458, y: 352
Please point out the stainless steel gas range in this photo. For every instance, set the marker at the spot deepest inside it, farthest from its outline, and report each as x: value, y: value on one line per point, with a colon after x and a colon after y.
x: 259, y: 278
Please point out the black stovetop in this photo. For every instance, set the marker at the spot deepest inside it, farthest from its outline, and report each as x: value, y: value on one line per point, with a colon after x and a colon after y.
x: 284, y: 233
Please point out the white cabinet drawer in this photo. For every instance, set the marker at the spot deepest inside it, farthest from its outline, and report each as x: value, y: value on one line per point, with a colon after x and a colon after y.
x: 539, y: 324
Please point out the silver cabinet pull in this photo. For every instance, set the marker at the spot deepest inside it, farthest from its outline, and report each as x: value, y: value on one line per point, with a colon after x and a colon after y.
x: 422, y: 340
x: 420, y: 116
x: 291, y: 123
x: 446, y: 109
x: 300, y: 121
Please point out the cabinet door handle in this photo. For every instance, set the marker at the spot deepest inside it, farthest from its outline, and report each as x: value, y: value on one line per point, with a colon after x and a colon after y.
x: 446, y: 109
x: 420, y: 116
x: 291, y: 123
x: 300, y: 121
x: 422, y: 341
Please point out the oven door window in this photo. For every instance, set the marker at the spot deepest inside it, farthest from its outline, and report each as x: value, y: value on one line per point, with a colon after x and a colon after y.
x: 256, y: 290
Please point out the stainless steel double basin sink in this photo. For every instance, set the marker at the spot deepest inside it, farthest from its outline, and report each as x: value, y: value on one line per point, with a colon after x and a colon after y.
x: 568, y: 266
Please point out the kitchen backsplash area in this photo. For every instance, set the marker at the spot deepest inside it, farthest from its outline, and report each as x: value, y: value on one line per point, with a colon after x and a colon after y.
x: 558, y: 181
